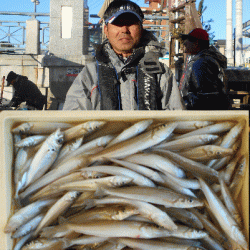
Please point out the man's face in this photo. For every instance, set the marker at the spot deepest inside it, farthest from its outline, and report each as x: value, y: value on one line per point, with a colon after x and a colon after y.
x: 191, y: 46
x: 124, y: 34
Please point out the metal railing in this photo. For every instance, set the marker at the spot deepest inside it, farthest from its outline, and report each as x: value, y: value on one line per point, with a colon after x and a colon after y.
x: 13, y: 33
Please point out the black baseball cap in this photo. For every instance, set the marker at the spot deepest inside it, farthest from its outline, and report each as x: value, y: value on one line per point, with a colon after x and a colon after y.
x: 119, y: 7
x: 11, y: 76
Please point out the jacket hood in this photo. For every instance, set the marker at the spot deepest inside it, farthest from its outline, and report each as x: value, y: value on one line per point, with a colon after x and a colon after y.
x: 150, y: 42
x: 214, y: 53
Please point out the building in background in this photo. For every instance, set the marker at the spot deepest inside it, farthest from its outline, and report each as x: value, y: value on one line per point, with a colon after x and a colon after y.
x: 157, y: 10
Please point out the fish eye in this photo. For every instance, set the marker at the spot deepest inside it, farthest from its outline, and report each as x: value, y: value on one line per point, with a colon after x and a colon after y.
x: 191, y: 200
x: 60, y: 140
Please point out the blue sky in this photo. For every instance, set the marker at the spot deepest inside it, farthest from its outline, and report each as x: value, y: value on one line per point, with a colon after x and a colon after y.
x: 216, y: 10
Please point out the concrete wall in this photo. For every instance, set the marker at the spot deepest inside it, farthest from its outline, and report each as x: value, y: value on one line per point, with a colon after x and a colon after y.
x: 67, y: 56
x: 78, y: 43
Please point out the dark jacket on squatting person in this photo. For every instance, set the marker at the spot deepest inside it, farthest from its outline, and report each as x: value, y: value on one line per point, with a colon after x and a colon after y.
x: 25, y: 91
x: 202, y: 84
x: 139, y: 83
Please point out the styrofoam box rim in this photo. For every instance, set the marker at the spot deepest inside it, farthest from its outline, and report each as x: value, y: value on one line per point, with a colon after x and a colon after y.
x: 10, y: 118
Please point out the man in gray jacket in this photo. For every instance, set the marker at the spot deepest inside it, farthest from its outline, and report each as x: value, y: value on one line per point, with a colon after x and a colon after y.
x: 127, y: 74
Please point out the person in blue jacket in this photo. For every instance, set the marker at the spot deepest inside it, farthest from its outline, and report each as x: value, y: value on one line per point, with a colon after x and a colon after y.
x: 202, y: 84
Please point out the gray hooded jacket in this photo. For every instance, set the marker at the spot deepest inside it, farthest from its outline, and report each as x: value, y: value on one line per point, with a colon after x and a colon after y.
x: 110, y: 83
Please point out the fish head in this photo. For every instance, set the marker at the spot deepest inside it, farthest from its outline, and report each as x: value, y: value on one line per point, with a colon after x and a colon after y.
x: 189, y: 201
x: 10, y: 227
x: 22, y: 129
x: 210, y: 138
x: 93, y: 125
x: 118, y: 181
x: 71, y: 196
x: 59, y: 136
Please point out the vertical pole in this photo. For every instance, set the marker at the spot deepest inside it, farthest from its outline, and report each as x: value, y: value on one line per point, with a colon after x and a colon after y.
x: 176, y: 41
x: 238, y: 33
x: 160, y: 12
x: 234, y: 47
x: 229, y: 35
x: 2, y: 89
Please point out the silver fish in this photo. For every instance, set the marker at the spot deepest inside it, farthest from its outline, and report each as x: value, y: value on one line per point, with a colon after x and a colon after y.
x: 16, y: 139
x: 228, y: 141
x: 188, y: 142
x: 83, y: 129
x: 148, y: 172
x: 172, y: 183
x: 94, y: 184
x: 21, y: 165
x: 67, y: 149
x: 218, y: 164
x: 227, y: 173
x: 196, y: 168
x: 112, y: 228
x: 226, y: 221
x: 40, y: 127
x: 216, y: 128
x: 45, y: 156
x: 230, y: 202
x: 110, y: 128
x: 207, y: 152
x: 31, y: 141
x: 146, y: 209
x: 210, y: 243
x: 25, y: 214
x: 212, y: 229
x: 45, y: 244
x: 161, y: 196
x: 187, y: 217
x: 156, y: 162
x: 187, y: 126
x: 50, y: 190
x: 87, y: 148
x: 183, y: 182
x: 85, y: 240
x: 62, y: 170
x: 132, y: 131
x: 233, y: 135
x: 237, y: 181
x: 23, y: 241
x: 138, y: 179
x: 58, y: 208
x: 29, y: 227
x: 153, y: 244
x: 115, y: 212
x: 136, y: 144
